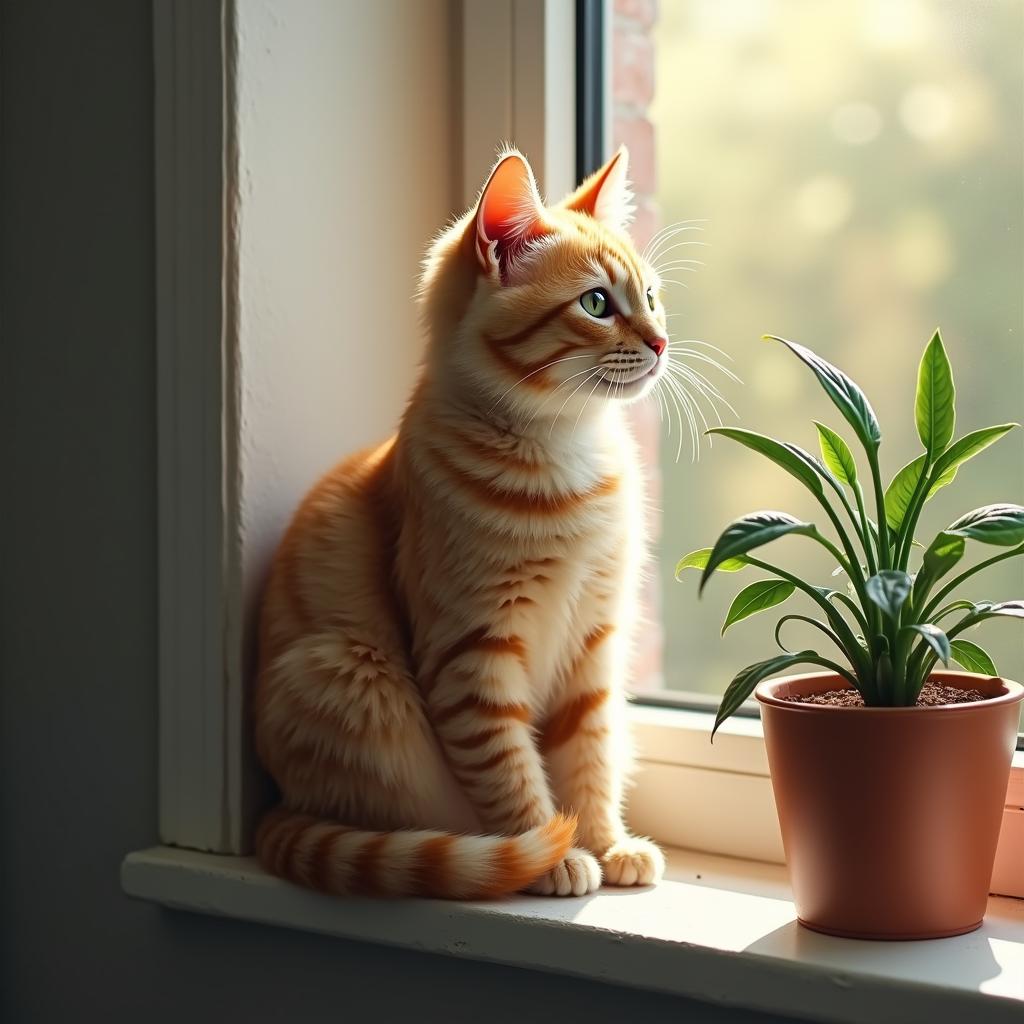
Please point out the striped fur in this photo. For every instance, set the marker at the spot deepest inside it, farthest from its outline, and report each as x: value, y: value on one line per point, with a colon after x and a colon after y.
x: 445, y: 628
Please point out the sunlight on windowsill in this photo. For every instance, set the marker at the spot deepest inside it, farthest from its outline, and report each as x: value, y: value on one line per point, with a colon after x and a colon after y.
x: 718, y: 929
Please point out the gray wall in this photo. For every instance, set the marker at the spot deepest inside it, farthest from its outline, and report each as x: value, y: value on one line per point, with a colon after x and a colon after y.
x: 77, y: 647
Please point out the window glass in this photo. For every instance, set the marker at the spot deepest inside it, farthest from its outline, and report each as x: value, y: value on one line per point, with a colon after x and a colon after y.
x: 857, y: 171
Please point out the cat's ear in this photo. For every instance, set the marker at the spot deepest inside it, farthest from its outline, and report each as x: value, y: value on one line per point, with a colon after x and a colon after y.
x: 606, y: 195
x: 509, y: 216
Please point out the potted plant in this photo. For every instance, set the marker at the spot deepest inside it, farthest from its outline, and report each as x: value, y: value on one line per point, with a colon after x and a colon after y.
x: 889, y: 776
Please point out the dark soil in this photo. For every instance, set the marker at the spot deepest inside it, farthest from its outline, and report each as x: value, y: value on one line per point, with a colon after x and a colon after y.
x: 932, y: 695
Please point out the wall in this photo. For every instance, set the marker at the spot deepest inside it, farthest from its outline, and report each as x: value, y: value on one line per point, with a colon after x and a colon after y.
x: 77, y: 618
x: 331, y: 232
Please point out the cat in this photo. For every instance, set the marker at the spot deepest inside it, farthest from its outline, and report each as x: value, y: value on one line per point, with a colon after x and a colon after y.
x: 445, y: 632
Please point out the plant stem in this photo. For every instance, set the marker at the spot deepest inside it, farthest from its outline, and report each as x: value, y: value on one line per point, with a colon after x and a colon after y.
x: 853, y: 568
x: 954, y: 583
x: 860, y: 525
x: 838, y: 669
x: 858, y: 493
x: 830, y: 633
x: 836, y: 554
x: 927, y: 659
x: 900, y: 674
x: 905, y: 539
x: 943, y: 612
x: 884, y: 559
x: 857, y: 613
x: 859, y: 658
x: 873, y: 612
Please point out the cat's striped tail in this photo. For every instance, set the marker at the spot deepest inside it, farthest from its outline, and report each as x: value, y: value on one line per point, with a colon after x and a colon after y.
x: 325, y: 855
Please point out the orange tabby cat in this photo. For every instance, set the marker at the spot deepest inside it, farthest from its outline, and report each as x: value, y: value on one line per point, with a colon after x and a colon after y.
x: 445, y: 631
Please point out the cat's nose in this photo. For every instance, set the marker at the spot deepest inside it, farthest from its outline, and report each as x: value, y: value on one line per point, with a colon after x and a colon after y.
x: 656, y: 345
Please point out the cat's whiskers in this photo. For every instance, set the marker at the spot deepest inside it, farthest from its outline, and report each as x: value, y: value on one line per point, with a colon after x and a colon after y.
x: 701, y: 382
x: 686, y: 388
x: 681, y: 243
x: 675, y: 226
x: 688, y: 405
x: 671, y: 395
x: 682, y: 379
x: 656, y: 394
x: 696, y: 341
x: 592, y: 371
x: 690, y: 266
x: 553, y: 362
x: 666, y: 252
x: 583, y: 408
x: 690, y: 353
x: 553, y: 392
x: 665, y: 235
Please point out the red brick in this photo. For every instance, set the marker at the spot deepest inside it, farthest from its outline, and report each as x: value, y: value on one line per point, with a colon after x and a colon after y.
x: 638, y: 135
x: 632, y: 68
x: 644, y: 12
x: 632, y: 91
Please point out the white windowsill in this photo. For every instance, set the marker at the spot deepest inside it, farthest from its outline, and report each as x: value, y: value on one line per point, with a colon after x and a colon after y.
x: 720, y: 930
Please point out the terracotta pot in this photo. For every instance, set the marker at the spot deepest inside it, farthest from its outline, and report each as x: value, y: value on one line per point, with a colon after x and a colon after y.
x: 890, y: 816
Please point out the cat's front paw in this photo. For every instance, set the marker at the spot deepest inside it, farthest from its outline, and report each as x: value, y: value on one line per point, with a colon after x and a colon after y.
x: 577, y: 874
x: 633, y: 861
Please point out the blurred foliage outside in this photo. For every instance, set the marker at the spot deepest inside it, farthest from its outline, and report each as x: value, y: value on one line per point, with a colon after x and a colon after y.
x: 860, y: 168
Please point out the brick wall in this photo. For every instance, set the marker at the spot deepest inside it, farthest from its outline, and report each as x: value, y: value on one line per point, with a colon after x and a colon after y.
x: 632, y: 91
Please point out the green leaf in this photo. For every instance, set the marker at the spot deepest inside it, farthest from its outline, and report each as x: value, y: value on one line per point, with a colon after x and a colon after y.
x: 935, y: 639
x: 986, y: 610
x: 837, y: 455
x: 817, y: 624
x: 956, y: 606
x: 757, y: 597
x: 1014, y: 609
x: 744, y: 682
x: 992, y: 524
x: 942, y: 554
x: 901, y: 490
x: 968, y: 446
x: 972, y: 657
x: 794, y: 460
x: 889, y: 589
x: 699, y: 559
x: 934, y: 407
x: 845, y: 394
x: 749, y: 532
x: 945, y: 478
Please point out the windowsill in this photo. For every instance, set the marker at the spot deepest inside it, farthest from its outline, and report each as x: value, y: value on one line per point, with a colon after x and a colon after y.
x: 718, y: 797
x: 720, y: 930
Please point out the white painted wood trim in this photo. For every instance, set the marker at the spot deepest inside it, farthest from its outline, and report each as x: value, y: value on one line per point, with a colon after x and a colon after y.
x: 519, y: 86
x: 720, y: 931
x: 200, y: 711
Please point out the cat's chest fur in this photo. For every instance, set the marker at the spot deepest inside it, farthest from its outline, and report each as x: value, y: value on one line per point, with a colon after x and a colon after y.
x: 539, y: 544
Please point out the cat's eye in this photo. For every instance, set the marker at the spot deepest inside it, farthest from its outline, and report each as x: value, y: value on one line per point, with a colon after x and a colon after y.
x: 596, y: 303
x: 650, y: 298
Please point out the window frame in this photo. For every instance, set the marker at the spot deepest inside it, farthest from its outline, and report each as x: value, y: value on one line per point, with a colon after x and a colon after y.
x: 687, y: 792
x: 202, y: 781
